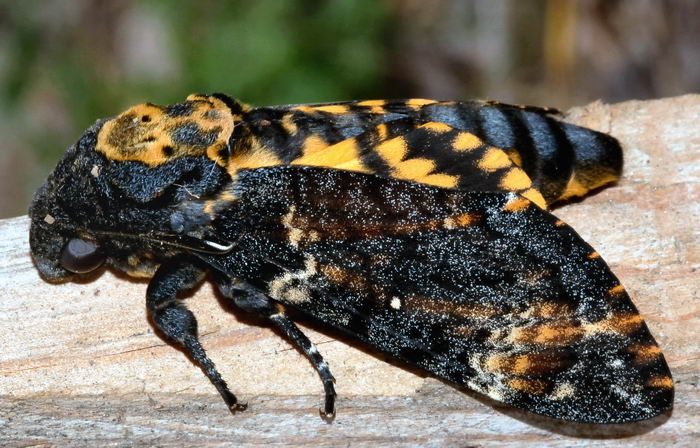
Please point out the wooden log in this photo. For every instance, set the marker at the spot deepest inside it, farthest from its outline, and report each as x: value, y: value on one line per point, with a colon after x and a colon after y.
x: 81, y: 366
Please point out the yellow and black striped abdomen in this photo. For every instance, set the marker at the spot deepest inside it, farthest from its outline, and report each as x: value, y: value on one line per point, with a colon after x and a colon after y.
x: 563, y: 160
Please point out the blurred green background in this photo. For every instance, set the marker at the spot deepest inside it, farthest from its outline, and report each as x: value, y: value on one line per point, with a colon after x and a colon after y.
x: 64, y: 63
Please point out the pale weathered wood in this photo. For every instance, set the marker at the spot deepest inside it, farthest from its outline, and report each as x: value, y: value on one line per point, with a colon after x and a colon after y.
x: 80, y: 365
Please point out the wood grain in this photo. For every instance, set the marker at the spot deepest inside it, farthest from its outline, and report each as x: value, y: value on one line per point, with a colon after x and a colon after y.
x: 81, y: 366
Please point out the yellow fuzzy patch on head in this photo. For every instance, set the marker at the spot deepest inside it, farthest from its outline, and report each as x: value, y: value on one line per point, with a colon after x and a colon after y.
x: 201, y: 126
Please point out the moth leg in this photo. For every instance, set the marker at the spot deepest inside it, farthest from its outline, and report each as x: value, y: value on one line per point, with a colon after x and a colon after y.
x: 179, y: 324
x: 252, y: 300
x: 300, y: 340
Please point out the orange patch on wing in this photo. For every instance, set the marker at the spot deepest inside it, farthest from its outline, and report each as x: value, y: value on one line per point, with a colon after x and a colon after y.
x: 288, y: 124
x: 515, y: 179
x: 554, y: 333
x: 372, y: 103
x: 514, y: 155
x: 382, y: 132
x: 432, y: 306
x: 494, y: 159
x: 549, y: 310
x: 465, y: 141
x: 313, y: 144
x: 516, y: 204
x: 593, y: 255
x: 623, y: 323
x: 436, y: 127
x: 393, y: 150
x: 536, y: 197
x: 462, y: 220
x: 305, y: 109
x: 615, y: 290
x: 418, y: 102
x: 440, y: 180
x: 376, y: 106
x: 467, y: 219
x: 333, y: 109
x: 644, y: 352
x: 661, y: 381
x: 413, y: 169
x: 335, y: 156
x: 527, y: 363
x: 345, y: 278
x: 529, y: 386
x: 257, y: 157
x: 227, y: 196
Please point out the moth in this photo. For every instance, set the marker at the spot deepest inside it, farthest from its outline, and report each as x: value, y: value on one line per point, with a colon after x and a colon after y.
x: 419, y: 227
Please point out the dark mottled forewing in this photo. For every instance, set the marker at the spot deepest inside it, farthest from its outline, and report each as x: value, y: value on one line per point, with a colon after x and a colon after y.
x: 482, y: 289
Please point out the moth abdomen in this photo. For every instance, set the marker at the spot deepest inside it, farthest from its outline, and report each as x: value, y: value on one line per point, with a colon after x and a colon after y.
x: 563, y: 160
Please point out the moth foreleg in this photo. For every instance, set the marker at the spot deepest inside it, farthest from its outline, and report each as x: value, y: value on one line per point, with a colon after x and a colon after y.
x: 252, y: 300
x: 179, y: 324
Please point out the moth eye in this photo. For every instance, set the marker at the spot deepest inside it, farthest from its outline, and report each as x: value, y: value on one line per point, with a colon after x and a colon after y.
x: 80, y: 256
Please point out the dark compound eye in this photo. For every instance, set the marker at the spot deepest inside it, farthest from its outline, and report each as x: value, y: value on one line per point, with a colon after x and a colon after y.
x: 80, y: 256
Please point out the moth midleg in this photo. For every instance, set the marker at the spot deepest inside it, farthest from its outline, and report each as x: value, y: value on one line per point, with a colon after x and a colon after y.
x: 250, y: 299
x: 179, y: 324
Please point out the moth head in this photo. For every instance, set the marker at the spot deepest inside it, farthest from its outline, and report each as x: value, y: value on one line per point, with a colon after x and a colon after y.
x: 110, y: 197
x: 60, y: 209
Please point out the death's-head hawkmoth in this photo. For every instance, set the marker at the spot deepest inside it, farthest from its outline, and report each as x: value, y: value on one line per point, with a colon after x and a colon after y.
x: 419, y: 227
